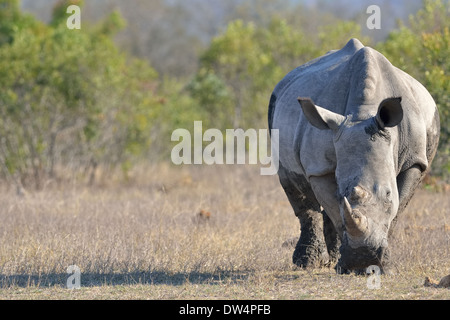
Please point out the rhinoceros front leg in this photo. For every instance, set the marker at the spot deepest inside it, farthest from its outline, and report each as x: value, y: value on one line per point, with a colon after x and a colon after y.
x: 407, y: 182
x: 332, y: 239
x: 325, y: 189
x: 311, y: 250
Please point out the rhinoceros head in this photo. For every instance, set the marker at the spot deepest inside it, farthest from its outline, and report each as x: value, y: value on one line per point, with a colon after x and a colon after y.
x: 366, y: 173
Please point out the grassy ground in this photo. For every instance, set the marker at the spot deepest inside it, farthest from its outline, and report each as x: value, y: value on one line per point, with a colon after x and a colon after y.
x: 145, y: 240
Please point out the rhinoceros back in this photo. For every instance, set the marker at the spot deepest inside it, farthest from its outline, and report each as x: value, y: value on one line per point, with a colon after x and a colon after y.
x: 313, y: 79
x: 353, y: 80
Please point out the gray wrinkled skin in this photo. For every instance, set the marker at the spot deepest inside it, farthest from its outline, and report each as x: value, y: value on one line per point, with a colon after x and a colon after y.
x: 357, y: 135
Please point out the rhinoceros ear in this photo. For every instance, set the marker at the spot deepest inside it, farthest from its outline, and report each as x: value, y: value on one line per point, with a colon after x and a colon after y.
x: 390, y: 113
x: 319, y: 117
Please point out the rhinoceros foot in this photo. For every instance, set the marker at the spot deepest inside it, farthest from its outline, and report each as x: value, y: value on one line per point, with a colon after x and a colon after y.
x: 310, y: 252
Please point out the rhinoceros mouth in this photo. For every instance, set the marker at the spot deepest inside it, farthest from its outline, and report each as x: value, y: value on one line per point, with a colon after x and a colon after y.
x: 361, y: 257
x: 357, y: 253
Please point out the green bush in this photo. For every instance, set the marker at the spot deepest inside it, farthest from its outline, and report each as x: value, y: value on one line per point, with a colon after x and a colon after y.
x: 70, y: 99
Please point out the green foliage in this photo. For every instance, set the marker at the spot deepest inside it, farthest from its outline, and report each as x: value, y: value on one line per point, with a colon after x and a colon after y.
x: 12, y: 21
x: 422, y: 50
x: 289, y: 47
x: 336, y: 36
x: 71, y: 99
x: 238, y: 59
x: 249, y: 60
x: 212, y: 94
x: 244, y: 60
x: 112, y: 24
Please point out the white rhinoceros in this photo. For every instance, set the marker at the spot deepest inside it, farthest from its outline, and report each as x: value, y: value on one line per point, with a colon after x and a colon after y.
x: 356, y: 136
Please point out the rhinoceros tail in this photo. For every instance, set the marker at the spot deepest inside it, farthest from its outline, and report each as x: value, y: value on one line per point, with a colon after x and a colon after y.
x: 273, y: 99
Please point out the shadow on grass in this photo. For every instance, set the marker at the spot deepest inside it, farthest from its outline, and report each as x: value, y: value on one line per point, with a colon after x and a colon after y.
x: 113, y: 279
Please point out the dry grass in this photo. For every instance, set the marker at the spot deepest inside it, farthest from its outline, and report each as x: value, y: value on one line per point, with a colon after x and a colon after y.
x: 146, y: 240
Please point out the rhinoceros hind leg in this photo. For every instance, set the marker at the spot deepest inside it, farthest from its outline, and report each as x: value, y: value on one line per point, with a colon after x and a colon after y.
x: 311, y: 249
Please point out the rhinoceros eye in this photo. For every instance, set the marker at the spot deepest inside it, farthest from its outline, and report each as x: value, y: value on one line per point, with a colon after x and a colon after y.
x: 388, y: 201
x: 388, y: 194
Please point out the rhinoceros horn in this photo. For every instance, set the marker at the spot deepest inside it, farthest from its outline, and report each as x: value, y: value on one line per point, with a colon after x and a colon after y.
x: 355, y: 222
